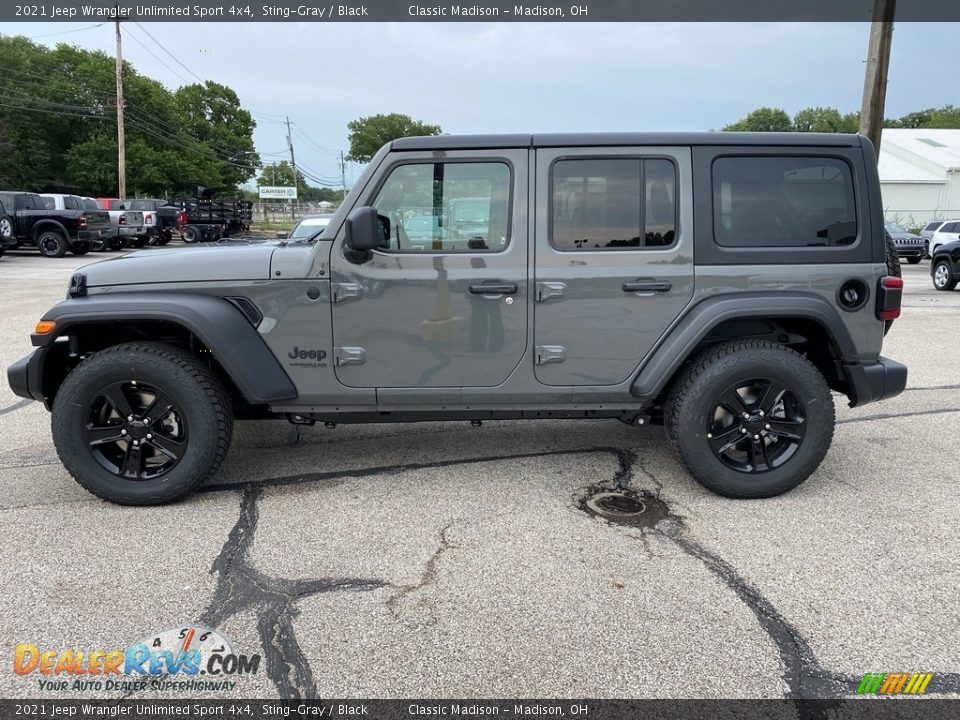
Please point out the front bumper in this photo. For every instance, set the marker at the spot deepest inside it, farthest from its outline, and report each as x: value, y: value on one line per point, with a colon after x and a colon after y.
x: 26, y: 374
x: 869, y: 382
x: 911, y: 251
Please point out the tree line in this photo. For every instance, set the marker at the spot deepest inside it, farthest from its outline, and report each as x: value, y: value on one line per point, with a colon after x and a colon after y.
x: 58, y: 127
x: 830, y: 120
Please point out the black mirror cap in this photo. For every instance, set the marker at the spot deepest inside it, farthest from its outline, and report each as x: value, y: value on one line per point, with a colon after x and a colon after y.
x: 363, y: 229
x: 281, y: 235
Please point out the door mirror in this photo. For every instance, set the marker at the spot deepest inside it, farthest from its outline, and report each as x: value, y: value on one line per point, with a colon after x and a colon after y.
x: 365, y: 231
x: 281, y: 235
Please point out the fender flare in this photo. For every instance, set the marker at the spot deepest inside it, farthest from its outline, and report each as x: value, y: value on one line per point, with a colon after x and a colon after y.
x: 660, y: 366
x: 42, y: 225
x: 220, y: 325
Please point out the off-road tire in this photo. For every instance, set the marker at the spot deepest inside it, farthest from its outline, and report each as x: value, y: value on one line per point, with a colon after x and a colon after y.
x: 52, y: 243
x: 693, y: 398
x: 950, y: 283
x: 914, y: 260
x: 199, y: 393
x: 893, y: 268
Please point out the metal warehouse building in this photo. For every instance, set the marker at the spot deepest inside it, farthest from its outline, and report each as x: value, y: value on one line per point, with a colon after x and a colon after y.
x: 920, y: 175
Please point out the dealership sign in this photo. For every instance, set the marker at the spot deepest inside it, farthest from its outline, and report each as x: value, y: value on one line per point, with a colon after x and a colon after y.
x: 277, y: 192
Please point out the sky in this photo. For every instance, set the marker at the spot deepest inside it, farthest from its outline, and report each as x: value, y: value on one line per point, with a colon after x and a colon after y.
x: 522, y: 77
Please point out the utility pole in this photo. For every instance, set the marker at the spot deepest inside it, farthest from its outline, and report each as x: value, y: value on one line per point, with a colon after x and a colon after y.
x: 343, y: 174
x: 878, y: 62
x: 121, y: 140
x: 292, y: 162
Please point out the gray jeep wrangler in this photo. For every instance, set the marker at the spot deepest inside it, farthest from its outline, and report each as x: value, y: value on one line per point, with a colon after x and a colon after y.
x: 722, y: 284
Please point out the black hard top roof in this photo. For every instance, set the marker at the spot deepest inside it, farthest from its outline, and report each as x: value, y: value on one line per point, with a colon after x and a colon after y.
x: 481, y: 142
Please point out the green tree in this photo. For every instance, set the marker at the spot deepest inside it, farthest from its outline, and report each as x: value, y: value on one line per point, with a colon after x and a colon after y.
x: 763, y: 119
x: 369, y: 134
x: 825, y: 120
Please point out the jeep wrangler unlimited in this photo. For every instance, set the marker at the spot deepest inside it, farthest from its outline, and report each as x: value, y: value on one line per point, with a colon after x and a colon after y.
x: 722, y: 284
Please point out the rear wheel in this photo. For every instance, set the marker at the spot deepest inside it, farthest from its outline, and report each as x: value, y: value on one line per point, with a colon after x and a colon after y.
x: 80, y: 248
x: 52, y: 243
x: 141, y: 424
x: 893, y: 268
x: 943, y: 276
x: 750, y: 419
x: 913, y: 260
x: 191, y: 234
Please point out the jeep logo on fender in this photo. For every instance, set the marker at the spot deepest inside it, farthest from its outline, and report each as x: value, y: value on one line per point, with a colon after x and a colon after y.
x: 307, y: 358
x: 307, y: 354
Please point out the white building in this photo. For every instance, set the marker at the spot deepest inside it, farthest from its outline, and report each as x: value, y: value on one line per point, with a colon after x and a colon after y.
x: 920, y: 175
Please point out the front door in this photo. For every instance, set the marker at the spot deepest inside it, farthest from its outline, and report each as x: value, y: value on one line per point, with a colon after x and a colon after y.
x: 443, y: 304
x: 613, y: 257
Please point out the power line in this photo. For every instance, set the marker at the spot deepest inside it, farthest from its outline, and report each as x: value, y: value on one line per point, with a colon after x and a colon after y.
x: 163, y: 47
x: 156, y: 57
x: 65, y: 32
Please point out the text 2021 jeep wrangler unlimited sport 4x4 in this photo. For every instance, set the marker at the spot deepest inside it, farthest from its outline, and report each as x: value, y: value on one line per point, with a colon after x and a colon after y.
x: 723, y: 283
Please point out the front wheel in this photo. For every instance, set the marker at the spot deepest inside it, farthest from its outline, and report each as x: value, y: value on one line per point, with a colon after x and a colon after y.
x: 141, y: 423
x: 943, y: 276
x: 913, y: 260
x: 750, y: 419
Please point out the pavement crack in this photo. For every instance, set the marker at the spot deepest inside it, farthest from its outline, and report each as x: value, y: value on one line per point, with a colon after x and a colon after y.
x: 429, y: 575
x: 16, y: 406
x: 894, y: 416
x: 241, y: 587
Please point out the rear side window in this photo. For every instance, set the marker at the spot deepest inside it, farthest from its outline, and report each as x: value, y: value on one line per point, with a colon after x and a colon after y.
x: 951, y: 227
x: 784, y: 201
x: 934, y: 225
x: 29, y: 202
x: 613, y: 204
x: 49, y: 203
x: 71, y: 203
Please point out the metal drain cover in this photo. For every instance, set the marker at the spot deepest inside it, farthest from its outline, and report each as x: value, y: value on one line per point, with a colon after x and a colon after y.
x: 616, y: 505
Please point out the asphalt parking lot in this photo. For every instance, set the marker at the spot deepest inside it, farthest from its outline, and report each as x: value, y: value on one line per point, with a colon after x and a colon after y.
x: 446, y: 560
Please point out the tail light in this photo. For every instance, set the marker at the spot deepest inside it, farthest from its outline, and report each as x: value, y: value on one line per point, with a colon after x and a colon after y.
x: 183, y: 218
x: 122, y: 220
x: 889, y: 296
x: 82, y: 221
x: 148, y: 218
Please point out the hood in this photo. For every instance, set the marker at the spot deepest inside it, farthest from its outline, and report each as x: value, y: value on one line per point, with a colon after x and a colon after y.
x: 904, y: 236
x: 209, y: 263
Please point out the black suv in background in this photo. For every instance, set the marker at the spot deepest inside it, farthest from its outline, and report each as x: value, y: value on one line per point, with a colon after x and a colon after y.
x: 53, y: 232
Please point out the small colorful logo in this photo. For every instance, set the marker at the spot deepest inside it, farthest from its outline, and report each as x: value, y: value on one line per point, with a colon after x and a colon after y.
x: 894, y: 683
x: 191, y: 651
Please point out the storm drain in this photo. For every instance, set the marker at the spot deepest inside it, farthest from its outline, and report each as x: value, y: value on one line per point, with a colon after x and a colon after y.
x: 626, y: 508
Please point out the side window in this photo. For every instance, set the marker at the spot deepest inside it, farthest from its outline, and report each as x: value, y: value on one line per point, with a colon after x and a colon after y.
x: 70, y: 203
x: 933, y: 225
x: 49, y: 203
x: 447, y: 207
x: 613, y: 204
x: 783, y: 201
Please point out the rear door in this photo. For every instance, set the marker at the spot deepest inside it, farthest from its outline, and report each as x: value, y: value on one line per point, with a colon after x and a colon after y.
x: 613, y: 258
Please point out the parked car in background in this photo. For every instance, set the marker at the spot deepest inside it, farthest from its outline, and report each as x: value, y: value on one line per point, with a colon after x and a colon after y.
x: 930, y: 228
x: 126, y: 225
x: 947, y: 232
x: 59, y: 201
x: 945, y: 266
x: 910, y: 247
x: 6, y: 230
x: 306, y: 227
x: 52, y: 231
x: 160, y: 218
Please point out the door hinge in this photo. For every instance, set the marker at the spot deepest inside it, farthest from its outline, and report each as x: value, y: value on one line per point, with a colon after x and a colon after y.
x: 550, y: 354
x: 346, y: 291
x: 547, y: 290
x: 349, y: 356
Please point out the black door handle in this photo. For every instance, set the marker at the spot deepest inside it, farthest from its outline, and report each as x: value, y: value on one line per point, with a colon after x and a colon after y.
x: 491, y: 289
x: 647, y: 286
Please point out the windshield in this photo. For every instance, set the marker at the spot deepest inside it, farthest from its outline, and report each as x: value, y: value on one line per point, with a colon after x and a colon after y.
x: 309, y: 226
x: 893, y: 227
x: 90, y: 204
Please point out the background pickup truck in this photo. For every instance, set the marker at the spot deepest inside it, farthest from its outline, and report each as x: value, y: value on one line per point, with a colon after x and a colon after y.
x: 57, y: 201
x: 126, y: 226
x: 53, y: 232
x: 160, y: 219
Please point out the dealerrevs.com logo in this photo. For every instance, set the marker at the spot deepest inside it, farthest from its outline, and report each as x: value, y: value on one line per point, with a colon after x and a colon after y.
x: 190, y: 658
